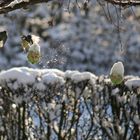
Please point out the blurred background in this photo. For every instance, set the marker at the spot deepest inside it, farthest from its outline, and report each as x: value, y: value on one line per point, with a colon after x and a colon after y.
x: 76, y: 36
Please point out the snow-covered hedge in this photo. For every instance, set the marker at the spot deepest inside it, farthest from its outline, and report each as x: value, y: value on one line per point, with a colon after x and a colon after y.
x: 49, y: 104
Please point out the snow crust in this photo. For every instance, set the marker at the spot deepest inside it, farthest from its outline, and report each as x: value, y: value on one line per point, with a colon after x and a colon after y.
x: 17, y: 74
x: 133, y: 83
x: 76, y: 76
x: 13, y: 3
x: 41, y: 77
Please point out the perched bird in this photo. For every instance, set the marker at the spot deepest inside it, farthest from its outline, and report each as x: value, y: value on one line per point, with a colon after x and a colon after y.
x: 30, y: 44
x: 3, y: 38
x: 117, y: 73
x: 27, y: 41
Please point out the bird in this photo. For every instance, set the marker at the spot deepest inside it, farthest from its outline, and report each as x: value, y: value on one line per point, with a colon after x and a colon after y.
x: 3, y: 38
x: 30, y: 43
x: 28, y: 40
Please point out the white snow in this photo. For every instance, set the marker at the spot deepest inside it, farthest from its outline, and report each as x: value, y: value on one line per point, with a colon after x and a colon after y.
x: 52, y: 78
x: 39, y: 78
x: 14, y: 106
x: 13, y: 3
x: 16, y: 74
x: 25, y: 0
x: 34, y: 47
x: 76, y: 76
x: 133, y: 83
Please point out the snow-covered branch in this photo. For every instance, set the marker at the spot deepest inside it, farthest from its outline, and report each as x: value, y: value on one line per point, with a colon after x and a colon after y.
x: 11, y: 5
x: 124, y: 2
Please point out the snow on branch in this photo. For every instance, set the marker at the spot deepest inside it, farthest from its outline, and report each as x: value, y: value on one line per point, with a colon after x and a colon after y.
x: 124, y: 3
x: 26, y: 76
x: 11, y: 5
